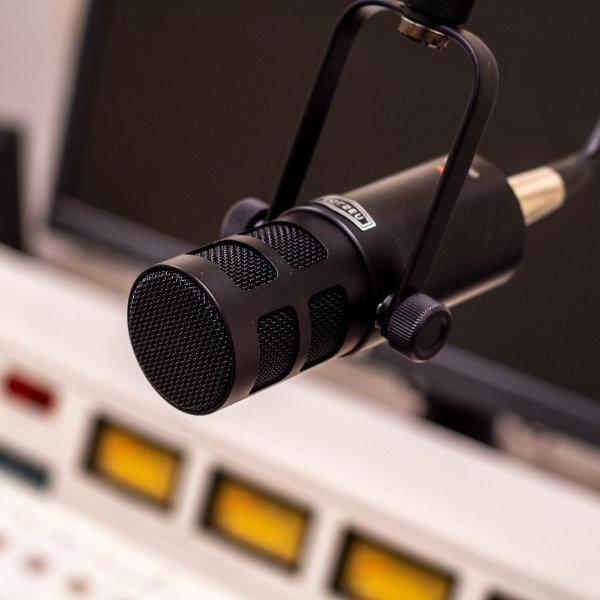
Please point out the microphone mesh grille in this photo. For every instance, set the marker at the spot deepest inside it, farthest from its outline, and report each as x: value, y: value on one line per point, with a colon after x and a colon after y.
x: 328, y: 312
x: 278, y: 342
x: 245, y: 266
x: 181, y: 341
x: 297, y: 247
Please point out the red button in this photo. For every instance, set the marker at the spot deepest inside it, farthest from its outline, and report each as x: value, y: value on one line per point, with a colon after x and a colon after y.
x: 25, y: 391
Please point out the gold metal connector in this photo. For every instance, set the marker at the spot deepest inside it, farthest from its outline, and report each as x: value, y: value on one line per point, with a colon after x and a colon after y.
x: 540, y: 192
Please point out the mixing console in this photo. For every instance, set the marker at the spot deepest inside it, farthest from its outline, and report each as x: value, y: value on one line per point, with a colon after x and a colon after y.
x: 306, y: 491
x: 49, y: 553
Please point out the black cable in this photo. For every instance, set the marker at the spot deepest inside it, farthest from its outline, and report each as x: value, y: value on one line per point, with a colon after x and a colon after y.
x: 578, y: 169
x: 591, y: 151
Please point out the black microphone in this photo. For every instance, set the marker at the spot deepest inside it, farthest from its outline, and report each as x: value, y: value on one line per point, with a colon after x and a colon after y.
x: 223, y: 322
x: 342, y: 273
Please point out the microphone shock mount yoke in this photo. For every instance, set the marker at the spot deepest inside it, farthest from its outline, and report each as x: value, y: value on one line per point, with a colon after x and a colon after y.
x: 293, y: 286
x: 415, y: 324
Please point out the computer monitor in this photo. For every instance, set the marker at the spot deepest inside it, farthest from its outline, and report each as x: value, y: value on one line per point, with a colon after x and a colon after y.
x: 180, y: 109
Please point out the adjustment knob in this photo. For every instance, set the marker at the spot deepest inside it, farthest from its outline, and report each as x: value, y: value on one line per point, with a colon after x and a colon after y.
x: 243, y: 215
x: 417, y: 327
x: 440, y: 12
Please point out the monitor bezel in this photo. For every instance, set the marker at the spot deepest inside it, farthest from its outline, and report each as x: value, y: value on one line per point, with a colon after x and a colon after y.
x: 461, y: 382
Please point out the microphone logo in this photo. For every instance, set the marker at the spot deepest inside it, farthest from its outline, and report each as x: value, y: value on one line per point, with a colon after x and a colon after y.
x: 349, y: 209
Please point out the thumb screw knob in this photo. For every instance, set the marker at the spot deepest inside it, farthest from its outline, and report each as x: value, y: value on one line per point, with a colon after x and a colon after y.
x: 243, y: 215
x: 418, y: 327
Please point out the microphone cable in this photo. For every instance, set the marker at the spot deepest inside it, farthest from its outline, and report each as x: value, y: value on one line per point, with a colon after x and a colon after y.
x: 577, y: 169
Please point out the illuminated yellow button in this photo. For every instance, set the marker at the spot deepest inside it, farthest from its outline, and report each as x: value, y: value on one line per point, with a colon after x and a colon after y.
x: 370, y: 572
x: 257, y: 520
x: 135, y: 464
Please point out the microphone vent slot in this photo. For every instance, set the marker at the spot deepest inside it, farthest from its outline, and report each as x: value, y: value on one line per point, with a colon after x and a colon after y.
x: 181, y: 341
x: 246, y: 267
x: 278, y: 337
x: 295, y: 245
x: 328, y: 312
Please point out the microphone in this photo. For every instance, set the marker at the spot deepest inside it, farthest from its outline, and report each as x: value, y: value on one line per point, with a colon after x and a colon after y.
x: 302, y: 285
x: 223, y: 322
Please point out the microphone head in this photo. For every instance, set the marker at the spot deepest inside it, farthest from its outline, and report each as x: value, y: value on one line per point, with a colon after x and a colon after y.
x: 220, y: 323
x: 181, y: 340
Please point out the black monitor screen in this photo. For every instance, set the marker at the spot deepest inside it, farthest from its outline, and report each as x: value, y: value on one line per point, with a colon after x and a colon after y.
x: 183, y: 107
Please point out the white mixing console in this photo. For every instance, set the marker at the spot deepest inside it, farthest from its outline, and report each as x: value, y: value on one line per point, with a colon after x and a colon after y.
x: 302, y: 492
x: 49, y: 553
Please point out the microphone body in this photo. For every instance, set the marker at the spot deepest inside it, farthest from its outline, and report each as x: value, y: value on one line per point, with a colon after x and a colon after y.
x: 221, y: 323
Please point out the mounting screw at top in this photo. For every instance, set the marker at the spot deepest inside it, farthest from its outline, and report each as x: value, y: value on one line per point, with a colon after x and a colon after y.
x: 418, y: 327
x: 439, y: 12
x: 423, y: 34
